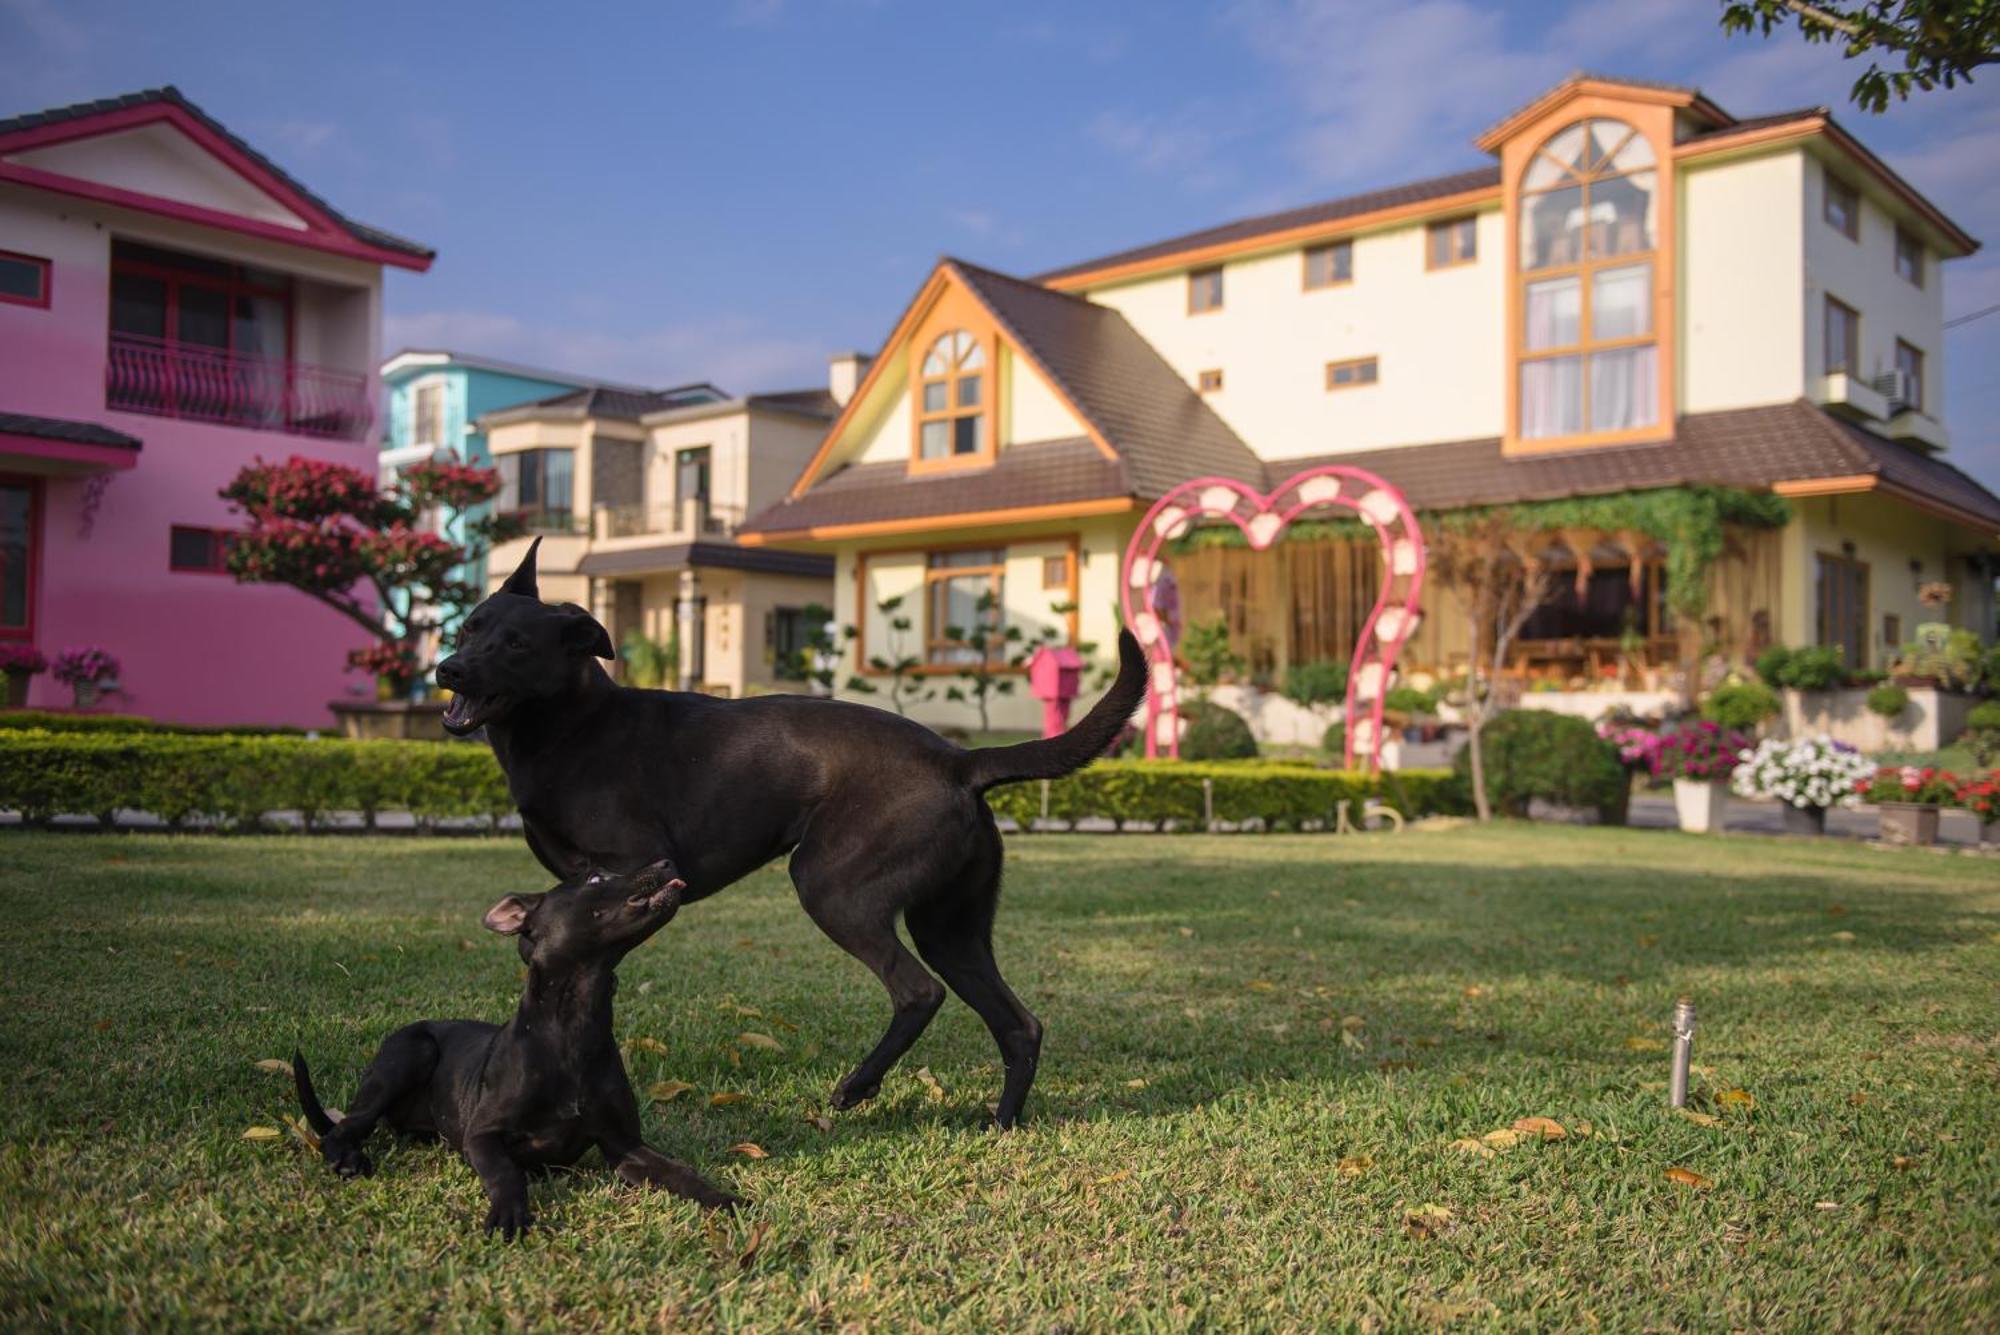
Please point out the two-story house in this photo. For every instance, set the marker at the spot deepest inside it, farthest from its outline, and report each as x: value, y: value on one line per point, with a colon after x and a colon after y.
x: 173, y: 307
x: 1640, y: 293
x: 638, y: 496
x: 436, y: 399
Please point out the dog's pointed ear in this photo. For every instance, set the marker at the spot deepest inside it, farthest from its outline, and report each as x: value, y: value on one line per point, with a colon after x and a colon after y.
x: 584, y: 633
x: 511, y: 914
x: 523, y: 581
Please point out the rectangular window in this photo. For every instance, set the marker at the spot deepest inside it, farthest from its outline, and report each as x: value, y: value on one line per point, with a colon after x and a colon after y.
x: 1841, y: 589
x: 1909, y: 257
x: 427, y: 415
x: 1910, y: 363
x: 24, y: 279
x: 790, y: 630
x: 1055, y: 572
x: 200, y: 550
x: 19, y: 550
x: 1351, y: 374
x: 1843, y: 338
x: 1606, y: 609
x: 1329, y: 265
x: 691, y: 473
x: 1892, y: 632
x: 535, y: 485
x: 1841, y: 207
x: 963, y: 592
x: 1204, y: 291
x: 1448, y: 244
x: 1209, y: 381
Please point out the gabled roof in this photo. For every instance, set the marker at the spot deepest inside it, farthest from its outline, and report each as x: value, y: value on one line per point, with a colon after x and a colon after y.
x: 1783, y: 447
x: 106, y: 115
x: 605, y: 401
x: 423, y: 360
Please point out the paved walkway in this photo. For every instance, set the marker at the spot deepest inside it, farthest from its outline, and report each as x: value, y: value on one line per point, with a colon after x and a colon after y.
x: 1656, y: 811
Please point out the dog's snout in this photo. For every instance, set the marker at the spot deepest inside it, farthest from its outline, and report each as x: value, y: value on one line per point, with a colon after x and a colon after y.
x: 449, y: 674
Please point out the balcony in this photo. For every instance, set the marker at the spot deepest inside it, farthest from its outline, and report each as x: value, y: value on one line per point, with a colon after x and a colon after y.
x: 150, y: 375
x: 690, y: 520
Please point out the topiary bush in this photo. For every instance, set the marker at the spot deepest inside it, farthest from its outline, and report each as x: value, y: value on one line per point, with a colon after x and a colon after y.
x: 1532, y: 753
x: 1742, y: 704
x: 1215, y: 733
x: 1817, y: 669
x: 1982, y: 733
x: 1318, y: 683
x: 1888, y: 701
x: 1334, y: 740
x: 1151, y: 792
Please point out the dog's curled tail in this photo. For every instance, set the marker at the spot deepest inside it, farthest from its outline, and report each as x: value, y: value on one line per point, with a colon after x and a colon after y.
x: 316, y: 1117
x: 1091, y: 737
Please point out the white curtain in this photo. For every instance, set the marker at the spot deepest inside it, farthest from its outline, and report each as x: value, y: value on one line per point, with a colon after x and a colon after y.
x: 1622, y: 385
x: 1551, y: 397
x: 1555, y: 310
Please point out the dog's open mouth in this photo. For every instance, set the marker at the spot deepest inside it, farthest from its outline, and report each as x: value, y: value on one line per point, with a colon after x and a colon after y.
x: 659, y: 899
x: 464, y: 714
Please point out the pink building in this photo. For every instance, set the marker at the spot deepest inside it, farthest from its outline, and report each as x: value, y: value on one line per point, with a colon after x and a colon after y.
x: 173, y: 306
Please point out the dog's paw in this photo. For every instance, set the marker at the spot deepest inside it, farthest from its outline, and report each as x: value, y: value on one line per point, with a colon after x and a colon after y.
x: 510, y: 1219
x: 718, y: 1199
x: 847, y: 1094
x: 347, y: 1160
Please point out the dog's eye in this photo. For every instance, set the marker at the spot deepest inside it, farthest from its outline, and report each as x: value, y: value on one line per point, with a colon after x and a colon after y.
x: 515, y: 642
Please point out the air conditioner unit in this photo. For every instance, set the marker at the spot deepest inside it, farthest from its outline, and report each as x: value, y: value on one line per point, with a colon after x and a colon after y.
x: 1897, y: 387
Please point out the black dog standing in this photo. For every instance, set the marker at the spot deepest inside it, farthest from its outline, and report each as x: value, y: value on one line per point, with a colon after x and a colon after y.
x: 546, y: 1086
x: 883, y: 818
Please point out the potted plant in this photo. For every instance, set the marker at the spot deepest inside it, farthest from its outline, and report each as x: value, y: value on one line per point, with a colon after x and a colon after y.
x: 1698, y: 757
x: 1807, y: 776
x: 87, y: 672
x: 1981, y: 796
x: 20, y: 662
x: 1909, y: 797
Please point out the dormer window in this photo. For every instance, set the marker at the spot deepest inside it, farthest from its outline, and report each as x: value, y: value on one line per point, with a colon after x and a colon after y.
x: 1589, y: 339
x: 952, y: 399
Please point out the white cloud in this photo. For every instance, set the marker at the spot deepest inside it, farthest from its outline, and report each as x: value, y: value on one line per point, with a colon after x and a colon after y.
x: 732, y: 351
x: 1185, y: 143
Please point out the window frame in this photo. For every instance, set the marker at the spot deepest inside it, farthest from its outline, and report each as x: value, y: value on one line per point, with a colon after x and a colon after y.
x: 1063, y: 564
x: 541, y: 510
x: 986, y: 411
x: 783, y: 669
x: 1823, y: 562
x: 428, y: 384
x: 1306, y: 282
x: 995, y: 574
x: 1373, y: 364
x: 1908, y: 242
x: 1851, y: 360
x: 37, y: 511
x: 220, y: 540
x: 1209, y: 381
x: 1469, y: 222
x: 1903, y: 345
x: 1195, y: 278
x: 1837, y: 186
x: 236, y: 283
x: 47, y: 269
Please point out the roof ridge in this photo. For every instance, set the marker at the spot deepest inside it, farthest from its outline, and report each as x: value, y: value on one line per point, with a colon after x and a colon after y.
x: 1030, y: 283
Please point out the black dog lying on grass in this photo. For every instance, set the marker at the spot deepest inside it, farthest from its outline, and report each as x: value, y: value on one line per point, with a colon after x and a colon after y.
x: 546, y: 1086
x: 882, y: 817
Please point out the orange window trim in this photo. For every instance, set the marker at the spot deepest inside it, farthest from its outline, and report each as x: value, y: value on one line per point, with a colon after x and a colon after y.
x: 1458, y: 261
x: 1195, y: 278
x: 1306, y: 253
x: 1331, y: 367
x: 987, y: 345
x: 1208, y: 382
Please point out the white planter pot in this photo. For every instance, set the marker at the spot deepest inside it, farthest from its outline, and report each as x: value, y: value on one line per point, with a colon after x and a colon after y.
x: 1700, y: 804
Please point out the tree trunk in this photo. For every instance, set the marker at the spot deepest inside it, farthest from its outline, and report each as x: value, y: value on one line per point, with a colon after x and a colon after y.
x: 1481, y: 807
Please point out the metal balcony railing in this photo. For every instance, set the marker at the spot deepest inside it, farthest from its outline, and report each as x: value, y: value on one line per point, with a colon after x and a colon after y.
x: 691, y: 519
x: 149, y: 375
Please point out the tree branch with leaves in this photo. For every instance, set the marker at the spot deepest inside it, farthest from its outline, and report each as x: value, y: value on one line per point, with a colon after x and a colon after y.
x: 1939, y: 42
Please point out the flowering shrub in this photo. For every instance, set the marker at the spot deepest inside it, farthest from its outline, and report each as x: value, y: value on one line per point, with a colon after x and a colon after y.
x: 80, y: 665
x: 1911, y: 783
x: 1809, y: 772
x: 22, y: 658
x: 1702, y: 751
x: 397, y: 662
x: 1638, y: 746
x: 1980, y: 795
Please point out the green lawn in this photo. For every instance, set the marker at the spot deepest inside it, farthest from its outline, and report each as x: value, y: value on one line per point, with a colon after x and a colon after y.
x: 1205, y: 1147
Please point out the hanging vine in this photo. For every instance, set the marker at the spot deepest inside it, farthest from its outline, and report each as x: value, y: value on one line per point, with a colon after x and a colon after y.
x: 1691, y: 523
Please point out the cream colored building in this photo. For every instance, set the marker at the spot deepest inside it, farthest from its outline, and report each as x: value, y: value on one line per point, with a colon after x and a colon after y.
x: 1641, y: 292
x: 637, y: 498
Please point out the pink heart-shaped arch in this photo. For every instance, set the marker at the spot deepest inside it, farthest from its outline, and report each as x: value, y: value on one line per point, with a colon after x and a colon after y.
x: 1262, y: 520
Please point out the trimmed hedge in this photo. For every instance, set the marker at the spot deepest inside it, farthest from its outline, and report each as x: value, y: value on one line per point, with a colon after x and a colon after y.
x: 51, y: 720
x: 237, y: 780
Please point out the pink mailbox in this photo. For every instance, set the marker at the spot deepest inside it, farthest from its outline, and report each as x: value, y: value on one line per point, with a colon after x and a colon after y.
x: 1055, y: 675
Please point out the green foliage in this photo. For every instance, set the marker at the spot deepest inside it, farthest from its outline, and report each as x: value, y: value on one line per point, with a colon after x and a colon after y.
x: 907, y: 685
x: 1948, y: 654
x: 1938, y: 42
x: 41, y: 720
x: 1688, y: 521
x: 1409, y: 701
x: 999, y: 654
x: 1773, y: 663
x: 1333, y: 742
x: 648, y: 662
x: 1888, y: 701
x: 1215, y: 733
x: 1532, y: 753
x: 1820, y: 668
x: 1205, y: 650
x: 1151, y: 792
x: 1742, y: 704
x: 235, y: 780
x: 1321, y: 682
x: 1982, y: 733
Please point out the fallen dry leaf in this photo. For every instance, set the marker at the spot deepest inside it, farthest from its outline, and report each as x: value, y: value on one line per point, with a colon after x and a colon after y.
x: 1261, y: 985
x: 753, y: 1039
x: 1427, y: 1221
x: 722, y: 1098
x: 1737, y: 1098
x: 1903, y: 1163
x: 1857, y: 1099
x: 1475, y: 991
x: 1109, y: 1178
x: 652, y: 1045
x: 1687, y: 1177
x: 1640, y: 1043
x: 820, y: 1120
x: 305, y: 1133
x: 275, y: 1066
x: 1826, y: 1205
x: 1504, y: 1139
x: 1354, y: 1165
x: 1192, y: 1012
x: 666, y: 1091
x: 262, y: 1133
x: 1350, y: 1039
x: 1352, y: 1023
x: 1648, y: 941
x: 749, y: 1149
x: 1470, y: 1145
x: 1135, y: 1083
x: 1699, y: 1118
x: 1548, y: 1128
x: 761, y: 1231
x: 1187, y: 931
x: 1843, y: 937
x: 932, y: 1089
x: 1582, y: 1129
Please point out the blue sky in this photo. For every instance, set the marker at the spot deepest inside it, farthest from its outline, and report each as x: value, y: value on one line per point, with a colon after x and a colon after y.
x: 731, y: 191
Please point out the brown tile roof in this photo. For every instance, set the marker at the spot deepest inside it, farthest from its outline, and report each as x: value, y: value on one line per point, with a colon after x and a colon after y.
x: 1244, y: 229
x: 1047, y: 473
x: 1163, y: 430
x: 802, y: 402
x: 722, y: 555
x: 360, y: 231
x: 609, y: 401
x: 63, y: 429
x: 1744, y: 447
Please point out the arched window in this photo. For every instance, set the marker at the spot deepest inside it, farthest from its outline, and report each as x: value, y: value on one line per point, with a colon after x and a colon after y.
x: 951, y: 398
x: 1589, y: 363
